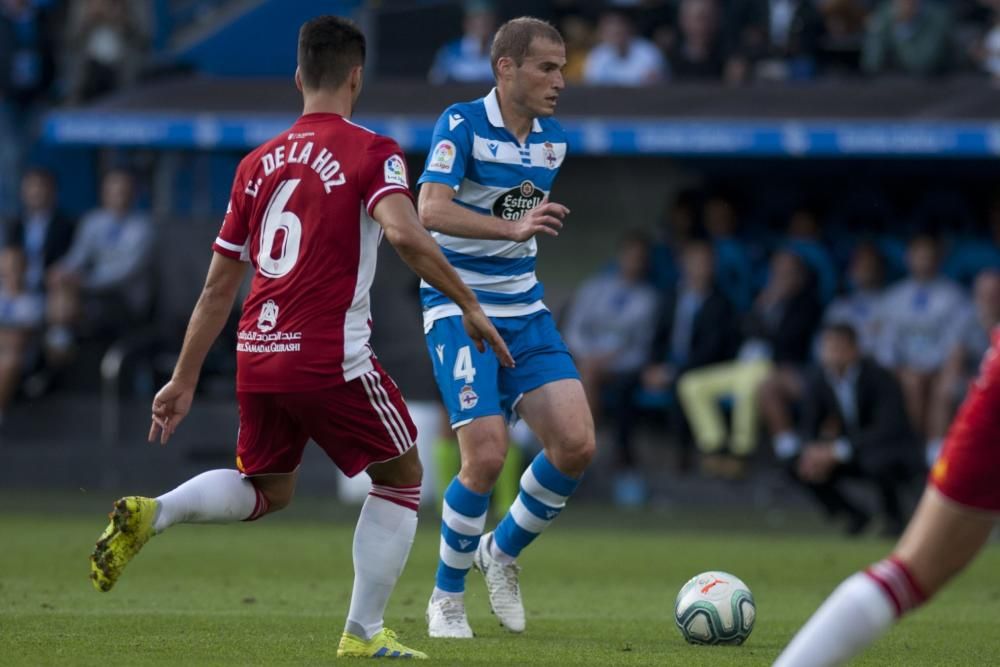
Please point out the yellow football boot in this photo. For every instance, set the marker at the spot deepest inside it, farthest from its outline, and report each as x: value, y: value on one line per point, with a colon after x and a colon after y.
x: 382, y: 645
x: 130, y: 528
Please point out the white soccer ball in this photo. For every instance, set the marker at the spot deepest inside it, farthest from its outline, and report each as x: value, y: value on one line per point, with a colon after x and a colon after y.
x: 715, y: 608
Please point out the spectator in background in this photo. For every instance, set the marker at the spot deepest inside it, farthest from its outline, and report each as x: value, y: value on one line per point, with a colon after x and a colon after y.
x: 861, y: 306
x: 678, y: 226
x: 467, y: 59
x: 609, y: 330
x: 780, y: 36
x: 108, y: 40
x: 104, y: 276
x: 919, y: 316
x: 908, y: 37
x: 732, y: 261
x: 805, y: 238
x: 578, y: 35
x: 854, y: 425
x: 844, y: 30
x: 621, y: 58
x: 778, y: 338
x: 22, y: 313
x: 40, y: 231
x: 27, y: 72
x: 970, y: 342
x: 698, y: 53
x: 698, y: 326
x: 987, y: 52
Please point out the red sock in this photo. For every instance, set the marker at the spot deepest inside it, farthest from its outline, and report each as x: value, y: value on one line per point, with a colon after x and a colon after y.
x: 405, y: 496
x: 260, y: 507
x: 898, y: 583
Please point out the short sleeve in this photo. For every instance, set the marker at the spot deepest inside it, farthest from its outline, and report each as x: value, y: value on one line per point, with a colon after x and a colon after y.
x: 451, y: 150
x: 233, y: 239
x: 383, y: 172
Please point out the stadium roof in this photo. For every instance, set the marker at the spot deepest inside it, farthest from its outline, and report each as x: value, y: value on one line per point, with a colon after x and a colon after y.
x: 947, y: 118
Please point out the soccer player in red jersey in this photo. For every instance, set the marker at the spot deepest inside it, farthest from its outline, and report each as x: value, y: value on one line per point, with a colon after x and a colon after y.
x: 308, y: 210
x: 952, y: 523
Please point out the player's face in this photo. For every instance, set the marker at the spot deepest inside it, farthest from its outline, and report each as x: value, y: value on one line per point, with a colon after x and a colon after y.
x: 539, y: 79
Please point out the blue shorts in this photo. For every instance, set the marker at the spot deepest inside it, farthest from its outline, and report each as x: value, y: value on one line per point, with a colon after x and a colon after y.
x: 473, y: 384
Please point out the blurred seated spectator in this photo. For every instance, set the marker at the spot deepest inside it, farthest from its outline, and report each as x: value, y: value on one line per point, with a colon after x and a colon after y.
x: 844, y: 30
x: 970, y: 342
x: 108, y: 40
x: 805, y: 238
x: 40, y: 231
x: 467, y: 59
x: 697, y: 327
x: 971, y: 254
x: 908, y: 37
x: 732, y: 260
x: 621, y: 58
x: 986, y: 54
x: 22, y: 313
x: 919, y: 314
x: 609, y: 330
x: 861, y: 306
x: 778, y: 337
x: 578, y: 34
x: 854, y: 425
x: 678, y: 226
x: 779, y: 38
x: 28, y: 39
x: 698, y: 53
x: 103, y: 280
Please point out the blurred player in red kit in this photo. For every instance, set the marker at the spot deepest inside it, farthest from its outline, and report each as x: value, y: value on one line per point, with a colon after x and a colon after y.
x: 952, y: 523
x: 307, y: 212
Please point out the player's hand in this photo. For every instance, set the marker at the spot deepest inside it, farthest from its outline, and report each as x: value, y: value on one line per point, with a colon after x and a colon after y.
x: 546, y: 218
x: 170, y: 406
x: 483, y: 333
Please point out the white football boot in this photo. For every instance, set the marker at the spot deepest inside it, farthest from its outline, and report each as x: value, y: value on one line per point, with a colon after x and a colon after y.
x: 446, y: 618
x: 502, y: 584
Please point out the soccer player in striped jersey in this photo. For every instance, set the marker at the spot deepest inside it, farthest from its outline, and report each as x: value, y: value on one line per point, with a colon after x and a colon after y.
x: 485, y: 197
x: 307, y: 212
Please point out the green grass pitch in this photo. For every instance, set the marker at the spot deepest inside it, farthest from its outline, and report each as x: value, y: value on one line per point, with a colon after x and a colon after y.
x: 598, y: 590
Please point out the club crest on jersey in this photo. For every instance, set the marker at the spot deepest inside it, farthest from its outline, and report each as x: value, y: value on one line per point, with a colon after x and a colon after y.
x: 268, y: 317
x: 549, y: 151
x: 395, y: 171
x: 514, y: 203
x: 442, y: 157
x: 467, y: 398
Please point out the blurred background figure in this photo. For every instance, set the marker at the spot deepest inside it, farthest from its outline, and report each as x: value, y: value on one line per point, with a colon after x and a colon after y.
x: 467, y: 59
x: 40, y: 230
x: 909, y: 37
x: 860, y: 307
x: 22, y: 313
x: 698, y: 53
x: 854, y: 424
x: 110, y: 39
x: 609, y: 330
x: 104, y: 281
x: 920, y: 313
x: 775, y: 39
x: 621, y: 58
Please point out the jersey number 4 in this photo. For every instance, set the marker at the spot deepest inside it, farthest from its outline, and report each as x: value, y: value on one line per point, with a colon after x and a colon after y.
x: 272, y: 261
x: 464, y: 370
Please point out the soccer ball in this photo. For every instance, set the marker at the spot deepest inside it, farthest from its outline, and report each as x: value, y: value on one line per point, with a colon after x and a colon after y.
x: 715, y: 608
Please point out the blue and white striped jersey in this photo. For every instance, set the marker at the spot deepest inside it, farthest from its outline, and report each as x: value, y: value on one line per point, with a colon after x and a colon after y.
x: 492, y: 173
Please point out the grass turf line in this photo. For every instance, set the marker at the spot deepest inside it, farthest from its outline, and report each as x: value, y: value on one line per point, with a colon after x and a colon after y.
x: 276, y: 593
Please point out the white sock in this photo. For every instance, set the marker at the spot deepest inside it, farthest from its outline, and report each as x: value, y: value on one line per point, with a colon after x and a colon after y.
x: 437, y: 594
x: 854, y: 616
x: 786, y: 445
x: 216, y: 496
x: 499, y: 554
x: 382, y: 542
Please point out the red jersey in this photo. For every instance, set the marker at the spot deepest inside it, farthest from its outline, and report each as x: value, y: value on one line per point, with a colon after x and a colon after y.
x: 300, y: 212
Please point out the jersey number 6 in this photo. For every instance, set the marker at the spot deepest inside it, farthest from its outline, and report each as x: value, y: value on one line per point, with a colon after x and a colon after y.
x: 276, y: 219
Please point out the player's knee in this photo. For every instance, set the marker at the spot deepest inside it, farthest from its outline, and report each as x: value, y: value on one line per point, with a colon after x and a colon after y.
x: 574, y: 451
x: 277, y: 499
x: 481, y: 472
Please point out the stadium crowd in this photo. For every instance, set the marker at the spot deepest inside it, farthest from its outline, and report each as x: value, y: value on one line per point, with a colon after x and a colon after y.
x: 845, y: 351
x: 737, y: 41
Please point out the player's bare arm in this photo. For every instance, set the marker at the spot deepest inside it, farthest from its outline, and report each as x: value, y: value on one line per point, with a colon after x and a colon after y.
x: 416, y: 247
x: 440, y: 214
x: 173, y: 401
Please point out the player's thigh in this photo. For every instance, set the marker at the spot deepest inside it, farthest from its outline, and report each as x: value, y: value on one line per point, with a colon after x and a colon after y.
x: 271, y: 440
x: 404, y: 470
x: 559, y: 416
x: 466, y: 378
x: 942, y: 539
x: 360, y: 423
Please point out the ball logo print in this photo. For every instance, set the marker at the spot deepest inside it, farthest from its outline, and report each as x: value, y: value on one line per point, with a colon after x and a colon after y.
x: 514, y: 203
x: 268, y: 317
x: 715, y: 608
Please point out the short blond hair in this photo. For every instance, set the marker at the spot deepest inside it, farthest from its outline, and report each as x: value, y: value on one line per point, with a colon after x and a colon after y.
x: 513, y: 39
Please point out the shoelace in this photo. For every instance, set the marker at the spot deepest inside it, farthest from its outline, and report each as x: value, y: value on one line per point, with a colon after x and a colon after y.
x: 509, y: 573
x: 452, y: 611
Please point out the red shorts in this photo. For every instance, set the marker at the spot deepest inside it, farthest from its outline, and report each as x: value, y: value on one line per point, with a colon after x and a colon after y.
x: 968, y: 469
x: 359, y: 423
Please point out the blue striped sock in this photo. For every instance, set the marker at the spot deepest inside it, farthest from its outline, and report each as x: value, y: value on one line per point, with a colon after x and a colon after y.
x: 462, y: 522
x: 544, y: 492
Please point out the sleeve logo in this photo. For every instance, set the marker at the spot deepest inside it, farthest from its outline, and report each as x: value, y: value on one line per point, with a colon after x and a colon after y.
x: 395, y: 171
x: 443, y: 157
